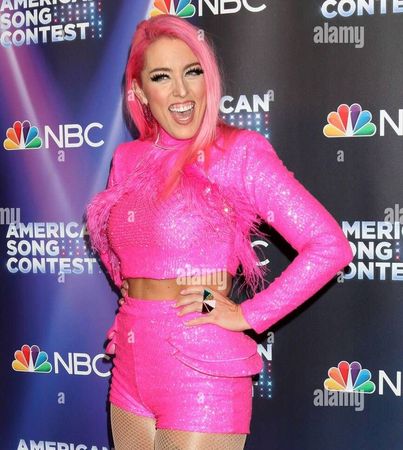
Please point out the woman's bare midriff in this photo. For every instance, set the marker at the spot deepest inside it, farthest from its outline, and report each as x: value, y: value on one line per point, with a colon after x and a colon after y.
x: 169, y: 289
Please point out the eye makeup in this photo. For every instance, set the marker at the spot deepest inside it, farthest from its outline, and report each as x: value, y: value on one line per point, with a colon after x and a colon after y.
x: 196, y: 70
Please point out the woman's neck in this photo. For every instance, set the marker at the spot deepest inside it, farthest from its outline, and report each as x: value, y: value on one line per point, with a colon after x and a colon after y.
x: 167, y: 141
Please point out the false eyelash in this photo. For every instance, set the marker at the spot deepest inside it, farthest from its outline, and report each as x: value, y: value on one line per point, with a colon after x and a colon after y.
x: 158, y: 76
x: 198, y: 70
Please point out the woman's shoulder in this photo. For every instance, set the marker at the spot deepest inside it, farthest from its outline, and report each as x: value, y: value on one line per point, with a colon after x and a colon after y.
x: 240, y: 142
x: 125, y: 156
x: 251, y: 138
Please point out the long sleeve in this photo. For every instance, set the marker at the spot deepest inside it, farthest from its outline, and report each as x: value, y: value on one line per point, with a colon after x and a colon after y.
x: 284, y: 203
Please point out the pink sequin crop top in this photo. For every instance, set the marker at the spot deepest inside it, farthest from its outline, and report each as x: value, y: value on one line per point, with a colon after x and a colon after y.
x: 180, y: 237
x: 205, y: 225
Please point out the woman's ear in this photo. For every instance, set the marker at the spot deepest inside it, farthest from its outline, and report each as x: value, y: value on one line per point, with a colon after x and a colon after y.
x: 138, y: 92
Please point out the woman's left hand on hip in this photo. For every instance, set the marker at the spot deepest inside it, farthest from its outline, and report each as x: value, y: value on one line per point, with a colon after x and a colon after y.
x: 226, y: 313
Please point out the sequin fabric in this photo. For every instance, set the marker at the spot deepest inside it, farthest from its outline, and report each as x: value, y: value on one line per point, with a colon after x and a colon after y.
x: 248, y: 181
x: 203, y: 228
x: 303, y: 221
x: 177, y: 374
x: 187, y: 231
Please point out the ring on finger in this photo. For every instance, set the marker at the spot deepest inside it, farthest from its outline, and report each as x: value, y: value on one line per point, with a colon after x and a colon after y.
x: 208, y: 302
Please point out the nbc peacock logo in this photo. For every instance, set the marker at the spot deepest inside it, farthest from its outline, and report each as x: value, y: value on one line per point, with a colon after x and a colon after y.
x: 349, y: 121
x: 31, y: 359
x: 183, y: 8
x: 349, y: 377
x: 22, y: 136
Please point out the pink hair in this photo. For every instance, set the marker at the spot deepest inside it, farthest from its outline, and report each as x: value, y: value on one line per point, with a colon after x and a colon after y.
x: 166, y: 25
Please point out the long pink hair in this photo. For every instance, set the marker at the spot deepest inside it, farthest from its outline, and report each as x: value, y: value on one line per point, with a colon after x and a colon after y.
x: 166, y: 25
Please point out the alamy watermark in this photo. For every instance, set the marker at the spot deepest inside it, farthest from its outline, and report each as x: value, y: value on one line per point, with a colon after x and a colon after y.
x: 324, y: 397
x: 196, y: 276
x: 331, y: 34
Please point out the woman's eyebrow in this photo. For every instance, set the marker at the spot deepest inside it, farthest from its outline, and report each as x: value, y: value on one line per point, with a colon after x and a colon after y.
x: 167, y: 69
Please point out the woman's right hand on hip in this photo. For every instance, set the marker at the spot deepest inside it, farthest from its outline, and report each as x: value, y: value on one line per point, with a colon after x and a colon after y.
x: 124, y: 290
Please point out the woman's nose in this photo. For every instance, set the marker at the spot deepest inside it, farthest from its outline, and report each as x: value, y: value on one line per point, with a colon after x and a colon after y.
x: 180, y: 87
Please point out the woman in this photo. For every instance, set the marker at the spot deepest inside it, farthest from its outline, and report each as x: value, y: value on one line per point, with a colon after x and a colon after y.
x: 179, y: 208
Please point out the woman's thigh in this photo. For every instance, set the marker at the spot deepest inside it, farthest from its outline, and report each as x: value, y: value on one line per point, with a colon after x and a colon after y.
x: 188, y: 440
x: 130, y: 431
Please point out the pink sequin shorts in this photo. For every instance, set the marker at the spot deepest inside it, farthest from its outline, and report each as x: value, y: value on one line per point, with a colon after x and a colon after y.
x: 192, y: 378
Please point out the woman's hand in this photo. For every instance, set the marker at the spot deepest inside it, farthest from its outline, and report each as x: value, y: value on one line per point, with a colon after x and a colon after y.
x: 124, y: 290
x: 226, y: 314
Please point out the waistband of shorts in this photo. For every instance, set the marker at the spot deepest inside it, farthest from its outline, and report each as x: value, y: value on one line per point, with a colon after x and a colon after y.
x: 154, y: 309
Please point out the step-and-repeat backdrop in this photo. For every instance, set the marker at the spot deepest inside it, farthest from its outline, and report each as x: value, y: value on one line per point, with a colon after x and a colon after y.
x: 322, y: 80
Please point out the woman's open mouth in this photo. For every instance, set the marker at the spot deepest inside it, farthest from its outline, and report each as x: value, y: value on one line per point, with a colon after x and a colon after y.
x: 182, y: 112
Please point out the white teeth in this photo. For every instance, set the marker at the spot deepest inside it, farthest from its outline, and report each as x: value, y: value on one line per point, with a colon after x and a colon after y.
x: 181, y: 108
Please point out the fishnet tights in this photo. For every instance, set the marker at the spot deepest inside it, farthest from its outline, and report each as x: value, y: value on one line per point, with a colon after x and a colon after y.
x: 192, y: 440
x: 131, y: 432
